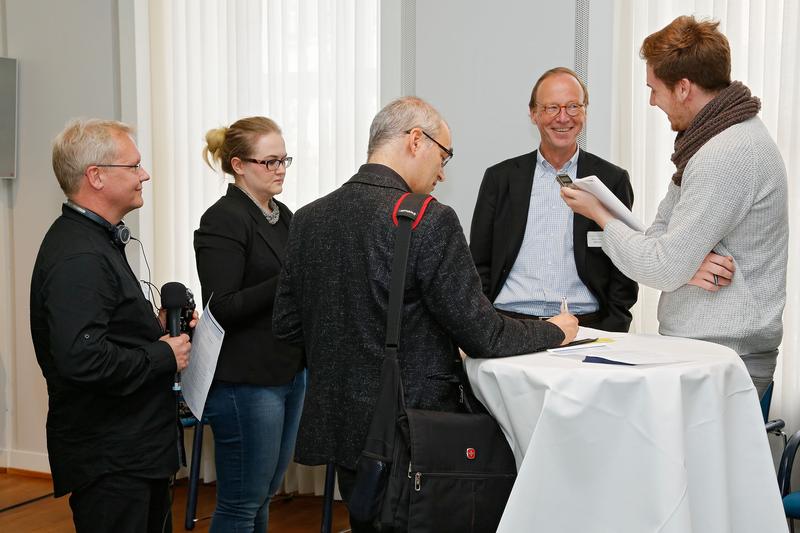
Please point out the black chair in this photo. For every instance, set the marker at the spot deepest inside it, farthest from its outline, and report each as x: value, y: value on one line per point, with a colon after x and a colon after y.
x: 194, y: 468
x: 766, y: 401
x: 327, y: 498
x: 774, y: 427
x: 791, y: 500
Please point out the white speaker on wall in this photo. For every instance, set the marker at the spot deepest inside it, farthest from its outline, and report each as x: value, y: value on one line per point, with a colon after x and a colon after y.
x: 8, y: 117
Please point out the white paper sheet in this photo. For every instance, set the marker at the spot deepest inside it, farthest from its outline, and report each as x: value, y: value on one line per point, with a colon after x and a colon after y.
x: 197, y: 377
x: 631, y: 357
x: 593, y: 185
x: 588, y: 345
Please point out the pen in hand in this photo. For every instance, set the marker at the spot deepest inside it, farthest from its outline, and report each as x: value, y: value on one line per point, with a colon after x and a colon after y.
x: 564, y: 306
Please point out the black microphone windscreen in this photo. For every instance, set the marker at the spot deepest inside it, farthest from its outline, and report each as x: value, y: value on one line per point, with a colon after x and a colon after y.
x: 173, y: 295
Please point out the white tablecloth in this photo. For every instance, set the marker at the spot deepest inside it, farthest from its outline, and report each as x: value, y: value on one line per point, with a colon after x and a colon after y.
x: 672, y: 447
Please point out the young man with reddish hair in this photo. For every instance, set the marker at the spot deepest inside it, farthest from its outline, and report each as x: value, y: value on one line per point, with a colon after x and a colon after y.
x: 725, y: 210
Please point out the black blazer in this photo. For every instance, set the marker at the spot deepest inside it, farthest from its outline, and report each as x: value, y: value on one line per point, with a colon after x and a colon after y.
x: 239, y: 256
x: 498, y: 227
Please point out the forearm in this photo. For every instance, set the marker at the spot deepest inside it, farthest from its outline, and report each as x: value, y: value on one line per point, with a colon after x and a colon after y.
x: 286, y: 319
x: 453, y: 294
x: 616, y: 310
x: 94, y: 344
x: 657, y: 262
x: 232, y: 306
x: 221, y: 264
x: 100, y: 364
x: 620, y: 295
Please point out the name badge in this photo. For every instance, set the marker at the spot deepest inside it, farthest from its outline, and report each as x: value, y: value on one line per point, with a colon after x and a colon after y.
x: 594, y: 239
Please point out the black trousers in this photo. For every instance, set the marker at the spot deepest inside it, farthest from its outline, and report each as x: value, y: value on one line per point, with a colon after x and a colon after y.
x: 122, y: 503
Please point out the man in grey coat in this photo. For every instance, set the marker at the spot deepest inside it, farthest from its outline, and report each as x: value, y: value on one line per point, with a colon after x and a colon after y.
x: 333, y: 292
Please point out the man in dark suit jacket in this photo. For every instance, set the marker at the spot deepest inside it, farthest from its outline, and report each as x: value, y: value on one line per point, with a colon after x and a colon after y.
x: 333, y: 292
x: 529, y: 251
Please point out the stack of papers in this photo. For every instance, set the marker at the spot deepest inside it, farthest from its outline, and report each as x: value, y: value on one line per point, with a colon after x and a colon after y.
x: 598, y: 352
x: 589, y: 345
x: 593, y: 185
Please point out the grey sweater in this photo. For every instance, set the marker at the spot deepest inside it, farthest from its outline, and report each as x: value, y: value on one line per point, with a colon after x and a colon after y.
x: 733, y: 199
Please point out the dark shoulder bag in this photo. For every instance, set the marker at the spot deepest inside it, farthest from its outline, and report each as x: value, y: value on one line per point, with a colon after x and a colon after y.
x: 426, y: 471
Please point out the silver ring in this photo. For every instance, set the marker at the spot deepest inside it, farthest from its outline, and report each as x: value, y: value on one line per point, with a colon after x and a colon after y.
x: 716, y: 280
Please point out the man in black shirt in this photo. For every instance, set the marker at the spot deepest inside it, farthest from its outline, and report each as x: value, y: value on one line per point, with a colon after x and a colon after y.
x: 111, y: 429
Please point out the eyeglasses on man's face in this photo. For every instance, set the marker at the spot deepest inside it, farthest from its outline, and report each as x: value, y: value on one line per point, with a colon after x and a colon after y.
x: 136, y: 167
x: 573, y: 109
x: 448, y: 151
x: 271, y: 164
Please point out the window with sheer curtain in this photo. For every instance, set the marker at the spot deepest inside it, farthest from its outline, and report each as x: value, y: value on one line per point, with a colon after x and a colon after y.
x: 310, y: 65
x: 764, y: 46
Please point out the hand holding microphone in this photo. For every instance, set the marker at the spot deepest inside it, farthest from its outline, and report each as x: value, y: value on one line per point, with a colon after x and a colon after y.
x: 181, y: 348
x: 175, y: 298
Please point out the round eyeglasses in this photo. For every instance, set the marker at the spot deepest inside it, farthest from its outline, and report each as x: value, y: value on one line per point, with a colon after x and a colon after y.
x: 572, y: 109
x: 271, y: 164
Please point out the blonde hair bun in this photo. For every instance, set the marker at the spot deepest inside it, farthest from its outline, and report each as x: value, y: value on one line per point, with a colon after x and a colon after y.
x: 237, y: 140
x: 215, y: 138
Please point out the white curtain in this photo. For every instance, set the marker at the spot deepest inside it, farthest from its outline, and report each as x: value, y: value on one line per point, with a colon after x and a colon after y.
x: 311, y: 65
x: 764, y: 46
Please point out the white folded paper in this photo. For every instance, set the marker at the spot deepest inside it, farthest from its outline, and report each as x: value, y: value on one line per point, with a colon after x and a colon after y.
x: 197, y: 377
x: 587, y: 346
x: 593, y: 185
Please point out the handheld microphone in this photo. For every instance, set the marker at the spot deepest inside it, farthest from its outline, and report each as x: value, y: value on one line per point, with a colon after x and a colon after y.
x: 173, y: 298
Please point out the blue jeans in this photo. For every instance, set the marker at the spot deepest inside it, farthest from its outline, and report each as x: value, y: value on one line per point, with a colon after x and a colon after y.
x: 254, y: 433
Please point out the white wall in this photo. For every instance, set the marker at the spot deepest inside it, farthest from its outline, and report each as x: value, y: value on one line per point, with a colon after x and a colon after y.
x: 601, y: 48
x: 68, y: 53
x: 477, y: 61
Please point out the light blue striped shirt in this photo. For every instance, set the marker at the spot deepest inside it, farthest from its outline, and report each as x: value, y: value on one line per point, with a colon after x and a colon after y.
x: 544, y: 270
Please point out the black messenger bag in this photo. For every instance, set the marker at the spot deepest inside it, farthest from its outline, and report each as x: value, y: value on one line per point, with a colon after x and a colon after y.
x: 426, y: 471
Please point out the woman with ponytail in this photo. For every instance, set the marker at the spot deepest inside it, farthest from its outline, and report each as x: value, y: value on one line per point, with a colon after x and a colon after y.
x: 256, y: 398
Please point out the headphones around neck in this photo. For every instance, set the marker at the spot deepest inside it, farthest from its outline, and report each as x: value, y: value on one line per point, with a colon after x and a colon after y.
x: 120, y: 234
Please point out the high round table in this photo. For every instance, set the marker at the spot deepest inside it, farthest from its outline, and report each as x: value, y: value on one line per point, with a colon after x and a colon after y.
x: 676, y: 444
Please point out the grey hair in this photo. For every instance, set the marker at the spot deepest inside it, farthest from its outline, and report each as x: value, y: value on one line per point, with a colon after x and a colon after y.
x: 399, y: 116
x: 82, y: 143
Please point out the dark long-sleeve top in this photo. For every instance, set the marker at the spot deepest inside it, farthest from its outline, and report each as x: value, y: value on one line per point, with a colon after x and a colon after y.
x: 109, y: 378
x: 333, y: 297
x: 239, y: 256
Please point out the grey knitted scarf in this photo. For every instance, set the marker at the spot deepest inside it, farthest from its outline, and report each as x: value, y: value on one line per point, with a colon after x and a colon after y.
x: 734, y: 104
